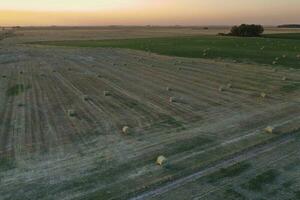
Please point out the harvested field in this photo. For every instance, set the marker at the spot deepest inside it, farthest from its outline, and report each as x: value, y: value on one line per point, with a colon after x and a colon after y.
x: 46, y: 152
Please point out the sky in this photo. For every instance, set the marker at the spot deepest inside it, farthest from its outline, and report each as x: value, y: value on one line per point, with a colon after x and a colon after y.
x: 147, y: 12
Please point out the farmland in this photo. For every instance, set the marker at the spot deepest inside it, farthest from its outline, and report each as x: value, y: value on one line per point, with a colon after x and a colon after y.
x: 212, y: 132
x: 266, y: 50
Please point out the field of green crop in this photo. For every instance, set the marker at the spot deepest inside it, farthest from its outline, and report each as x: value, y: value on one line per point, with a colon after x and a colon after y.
x: 284, y: 52
x: 295, y: 36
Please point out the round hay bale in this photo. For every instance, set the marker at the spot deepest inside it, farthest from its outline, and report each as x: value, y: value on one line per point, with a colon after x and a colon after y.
x: 86, y: 97
x: 106, y: 93
x: 161, y: 160
x: 125, y: 129
x: 263, y: 95
x: 221, y: 88
x: 269, y: 129
x: 71, y: 113
x: 284, y: 78
x: 172, y: 99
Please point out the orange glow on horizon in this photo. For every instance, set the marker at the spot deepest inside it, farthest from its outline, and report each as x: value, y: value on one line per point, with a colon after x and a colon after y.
x: 147, y: 12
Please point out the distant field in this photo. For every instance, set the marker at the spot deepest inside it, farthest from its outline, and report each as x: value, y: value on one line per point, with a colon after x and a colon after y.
x: 270, y: 51
x: 294, y: 36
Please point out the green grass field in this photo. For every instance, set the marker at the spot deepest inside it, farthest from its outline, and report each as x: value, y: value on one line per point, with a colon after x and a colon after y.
x: 269, y: 51
x: 294, y: 36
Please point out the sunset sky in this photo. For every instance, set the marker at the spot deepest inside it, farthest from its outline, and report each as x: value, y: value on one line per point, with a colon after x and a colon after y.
x: 148, y: 12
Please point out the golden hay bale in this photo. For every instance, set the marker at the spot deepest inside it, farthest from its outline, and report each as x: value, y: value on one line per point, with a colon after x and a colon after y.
x: 71, y: 113
x: 106, y: 93
x: 161, y: 160
x: 86, y: 97
x: 221, y: 89
x: 125, y: 129
x: 269, y: 129
x: 284, y: 78
x: 172, y: 99
x: 263, y: 95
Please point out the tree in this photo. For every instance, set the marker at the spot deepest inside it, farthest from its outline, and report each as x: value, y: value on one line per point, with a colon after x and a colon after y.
x: 246, y: 30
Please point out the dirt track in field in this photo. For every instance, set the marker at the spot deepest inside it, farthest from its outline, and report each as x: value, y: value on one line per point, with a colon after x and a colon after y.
x: 56, y: 156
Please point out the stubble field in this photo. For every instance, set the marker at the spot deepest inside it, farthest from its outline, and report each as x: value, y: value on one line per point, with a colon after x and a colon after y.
x: 211, y: 132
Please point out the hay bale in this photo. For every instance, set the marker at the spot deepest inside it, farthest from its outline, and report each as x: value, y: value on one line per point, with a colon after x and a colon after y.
x: 269, y: 129
x: 263, y: 95
x: 274, y: 62
x: 161, y: 160
x: 125, y: 129
x: 221, y: 89
x: 86, y: 97
x: 284, y: 78
x: 172, y: 99
x: 71, y: 113
x: 229, y: 85
x: 106, y: 93
x: 169, y: 89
